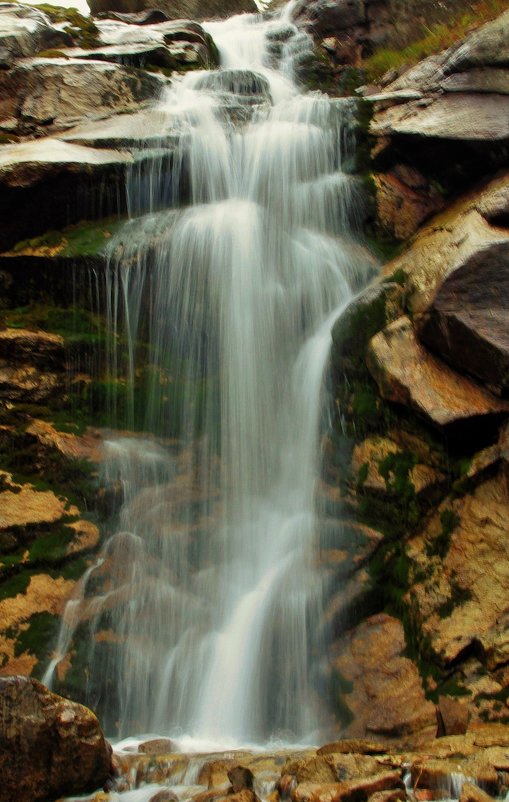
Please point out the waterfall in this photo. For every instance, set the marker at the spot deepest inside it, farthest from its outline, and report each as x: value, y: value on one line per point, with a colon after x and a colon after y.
x: 221, y: 309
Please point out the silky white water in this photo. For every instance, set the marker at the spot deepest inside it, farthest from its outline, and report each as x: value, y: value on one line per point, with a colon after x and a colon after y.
x: 203, y: 611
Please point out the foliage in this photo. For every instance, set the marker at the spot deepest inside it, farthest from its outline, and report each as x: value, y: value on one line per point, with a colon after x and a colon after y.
x: 428, y: 36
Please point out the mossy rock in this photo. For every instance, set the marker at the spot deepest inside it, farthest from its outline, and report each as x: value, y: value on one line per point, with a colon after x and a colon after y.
x: 82, y: 29
x: 81, y: 239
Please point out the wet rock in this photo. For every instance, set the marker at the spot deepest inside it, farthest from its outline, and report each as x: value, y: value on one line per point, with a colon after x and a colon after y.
x: 250, y: 86
x: 25, y: 31
x: 385, y: 696
x: 453, y: 716
x: 448, y: 118
x: 38, y: 347
x: 50, y: 745
x: 59, y: 92
x: 349, y: 790
x: 472, y: 793
x: 241, y: 778
x: 407, y: 374
x: 357, y: 746
x: 124, y: 131
x: 164, y: 796
x: 24, y: 506
x: 462, y: 549
x: 468, y: 227
x: 149, y: 16
x: 47, y: 184
x: 404, y: 200
x: 157, y: 746
x: 373, y: 455
x: 177, y: 9
x: 361, y: 24
x: 87, y: 446
x: 468, y: 321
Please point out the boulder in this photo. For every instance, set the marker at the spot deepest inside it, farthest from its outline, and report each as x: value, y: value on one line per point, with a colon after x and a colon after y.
x: 25, y: 31
x: 447, y: 118
x: 467, y: 322
x: 360, y: 24
x: 409, y: 375
x: 51, y: 93
x: 38, y: 347
x: 472, y: 793
x: 157, y: 746
x: 125, y: 131
x: 385, y: 696
x: 469, y: 226
x: 453, y: 716
x: 348, y: 790
x: 250, y: 86
x: 177, y: 9
x: 51, y: 746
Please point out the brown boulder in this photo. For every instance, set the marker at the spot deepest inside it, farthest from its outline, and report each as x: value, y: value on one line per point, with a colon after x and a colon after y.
x: 50, y: 746
x: 349, y: 790
x: 472, y: 793
x: 157, y: 746
x: 407, y: 374
x: 386, y: 699
x: 453, y: 716
x: 468, y: 320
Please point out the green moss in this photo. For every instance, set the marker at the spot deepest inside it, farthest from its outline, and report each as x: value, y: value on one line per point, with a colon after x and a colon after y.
x: 52, y: 54
x: 83, y: 29
x: 51, y: 547
x: 362, y: 475
x: 459, y: 595
x: 439, y: 546
x: 398, y: 277
x: 38, y: 637
x: 338, y: 688
x: 15, y: 584
x: 81, y: 239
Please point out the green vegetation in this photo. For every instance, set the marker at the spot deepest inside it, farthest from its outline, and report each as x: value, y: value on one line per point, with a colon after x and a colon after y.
x: 429, y: 34
x: 81, y: 239
x: 339, y: 687
x: 440, y: 544
x: 37, y: 638
x: 83, y: 30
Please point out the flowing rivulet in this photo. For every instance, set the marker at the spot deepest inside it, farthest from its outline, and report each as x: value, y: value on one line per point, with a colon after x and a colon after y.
x: 227, y: 279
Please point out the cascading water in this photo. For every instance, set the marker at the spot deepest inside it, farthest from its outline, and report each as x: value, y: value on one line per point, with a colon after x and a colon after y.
x: 210, y: 584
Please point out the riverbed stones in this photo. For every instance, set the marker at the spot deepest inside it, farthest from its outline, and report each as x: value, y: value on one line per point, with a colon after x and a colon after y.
x: 50, y: 745
x: 31, y: 365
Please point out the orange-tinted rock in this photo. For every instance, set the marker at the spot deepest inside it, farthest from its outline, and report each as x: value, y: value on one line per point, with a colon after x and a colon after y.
x: 50, y: 745
x: 401, y: 207
x: 453, y: 716
x: 157, y: 746
x: 408, y: 374
x: 386, y: 698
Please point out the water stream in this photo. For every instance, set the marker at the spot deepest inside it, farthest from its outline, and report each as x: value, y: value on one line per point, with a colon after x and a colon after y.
x: 221, y: 311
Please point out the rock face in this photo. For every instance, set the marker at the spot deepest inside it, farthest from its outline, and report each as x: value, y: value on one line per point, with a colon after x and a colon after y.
x: 423, y: 121
x: 177, y: 9
x: 468, y: 320
x: 50, y: 745
x: 62, y: 91
x: 385, y: 695
x: 25, y: 31
x: 407, y: 374
x: 49, y: 184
